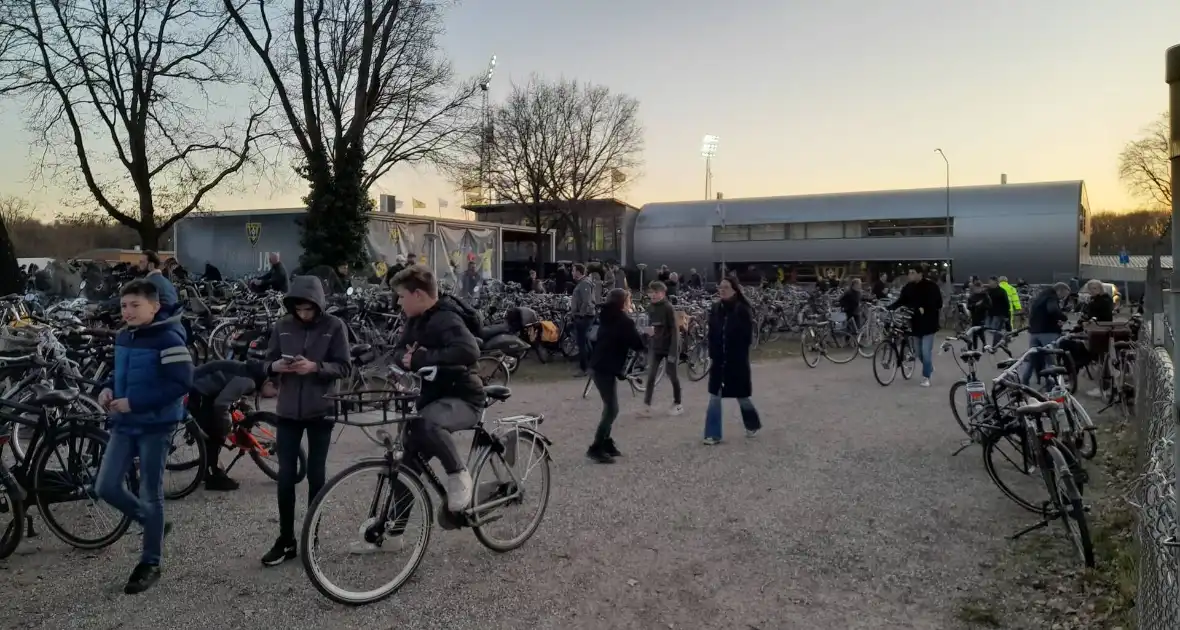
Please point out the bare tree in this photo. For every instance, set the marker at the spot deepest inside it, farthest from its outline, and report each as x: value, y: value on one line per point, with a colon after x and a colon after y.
x: 362, y: 88
x: 1144, y: 164
x: 125, y: 97
x: 12, y: 210
x: 556, y: 145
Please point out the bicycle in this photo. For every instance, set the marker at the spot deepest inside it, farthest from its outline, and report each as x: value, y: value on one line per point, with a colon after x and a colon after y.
x: 896, y: 350
x: 634, y: 372
x: 400, y: 477
x: 832, y: 333
x: 32, y: 481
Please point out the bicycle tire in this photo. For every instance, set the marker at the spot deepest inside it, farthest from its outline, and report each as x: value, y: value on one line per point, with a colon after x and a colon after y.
x: 907, y: 358
x: 307, y: 536
x: 809, y: 336
x: 271, y: 471
x: 989, y: 448
x: 1069, y: 502
x: 201, y: 464
x: 39, y: 479
x: 955, y: 387
x: 834, y: 339
x: 701, y: 351
x: 11, y: 536
x: 480, y: 532
x: 885, y: 375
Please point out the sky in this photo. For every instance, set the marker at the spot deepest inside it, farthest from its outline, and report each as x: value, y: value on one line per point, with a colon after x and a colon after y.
x: 810, y: 96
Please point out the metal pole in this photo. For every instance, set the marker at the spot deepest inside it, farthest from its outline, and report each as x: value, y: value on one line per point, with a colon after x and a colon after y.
x: 1172, y: 75
x: 708, y: 174
x: 947, y: 227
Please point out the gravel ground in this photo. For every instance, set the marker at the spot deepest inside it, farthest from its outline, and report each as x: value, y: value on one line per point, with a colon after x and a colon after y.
x: 846, y: 512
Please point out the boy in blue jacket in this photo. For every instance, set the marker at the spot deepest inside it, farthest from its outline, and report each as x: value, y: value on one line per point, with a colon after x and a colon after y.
x: 145, y: 401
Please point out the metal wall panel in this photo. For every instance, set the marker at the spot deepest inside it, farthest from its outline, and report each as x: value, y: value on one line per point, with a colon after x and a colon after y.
x: 224, y: 241
x: 1018, y: 230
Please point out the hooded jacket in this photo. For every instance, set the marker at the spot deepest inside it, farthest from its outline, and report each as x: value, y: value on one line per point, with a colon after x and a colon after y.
x: 153, y: 371
x: 1044, y: 314
x: 924, y: 299
x: 441, y: 339
x: 323, y: 340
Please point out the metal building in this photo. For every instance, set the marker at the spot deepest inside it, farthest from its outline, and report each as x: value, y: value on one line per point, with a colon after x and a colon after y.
x: 1037, y: 231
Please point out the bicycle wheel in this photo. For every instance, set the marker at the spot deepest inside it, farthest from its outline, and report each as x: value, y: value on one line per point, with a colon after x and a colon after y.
x: 908, y: 361
x: 1006, y: 454
x: 81, y: 406
x: 809, y: 344
x: 885, y: 363
x: 960, y: 416
x: 492, y: 371
x: 73, y: 484
x: 12, y: 507
x: 264, y: 432
x: 1073, y: 516
x: 495, y: 481
x: 183, y: 474
x: 839, y: 346
x: 865, y: 343
x: 699, y: 362
x: 374, y: 534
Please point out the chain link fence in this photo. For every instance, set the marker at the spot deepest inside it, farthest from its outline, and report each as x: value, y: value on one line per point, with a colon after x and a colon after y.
x: 1158, y: 599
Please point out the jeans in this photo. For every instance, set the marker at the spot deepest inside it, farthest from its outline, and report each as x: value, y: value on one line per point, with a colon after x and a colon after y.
x: 582, y: 337
x: 148, y: 508
x: 288, y: 438
x: 713, y: 416
x: 430, y: 433
x: 996, y: 323
x: 654, y: 360
x: 608, y: 388
x: 924, y: 347
x: 1035, y: 362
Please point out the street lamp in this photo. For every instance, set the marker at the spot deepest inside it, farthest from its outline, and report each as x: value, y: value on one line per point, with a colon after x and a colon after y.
x: 948, y: 211
x: 485, y: 131
x: 709, y: 151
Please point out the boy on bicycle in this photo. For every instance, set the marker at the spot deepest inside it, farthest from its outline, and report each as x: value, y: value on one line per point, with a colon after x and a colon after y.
x: 217, y: 385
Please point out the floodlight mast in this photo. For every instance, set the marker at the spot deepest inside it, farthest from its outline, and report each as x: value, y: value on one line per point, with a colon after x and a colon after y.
x: 709, y: 151
x: 485, y: 131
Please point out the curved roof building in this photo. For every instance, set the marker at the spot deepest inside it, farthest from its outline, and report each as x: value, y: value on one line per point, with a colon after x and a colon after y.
x: 1037, y: 231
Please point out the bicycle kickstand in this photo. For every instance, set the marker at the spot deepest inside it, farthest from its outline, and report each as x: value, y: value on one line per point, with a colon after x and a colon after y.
x: 962, y: 447
x: 1048, y: 518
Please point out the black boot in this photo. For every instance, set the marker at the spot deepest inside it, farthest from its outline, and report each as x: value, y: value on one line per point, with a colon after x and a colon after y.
x: 597, y: 453
x: 609, y: 448
x: 218, y: 481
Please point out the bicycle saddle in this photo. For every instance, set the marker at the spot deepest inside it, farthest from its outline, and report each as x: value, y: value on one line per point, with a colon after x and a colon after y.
x: 1038, y: 408
x: 497, y: 392
x: 46, y: 397
x: 1005, y: 364
x: 360, y: 349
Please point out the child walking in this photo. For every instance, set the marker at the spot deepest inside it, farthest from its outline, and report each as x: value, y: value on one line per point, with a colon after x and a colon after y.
x: 145, y: 400
x: 665, y: 347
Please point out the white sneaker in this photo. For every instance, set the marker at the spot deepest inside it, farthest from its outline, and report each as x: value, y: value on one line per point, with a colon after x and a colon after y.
x: 362, y: 548
x: 458, y: 491
x: 1095, y: 393
x: 676, y: 410
x: 925, y: 383
x: 751, y: 432
x: 711, y: 441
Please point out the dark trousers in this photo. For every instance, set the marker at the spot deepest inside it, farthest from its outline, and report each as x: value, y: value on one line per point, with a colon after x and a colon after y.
x: 608, y: 388
x: 582, y: 336
x: 215, y: 425
x: 288, y: 439
x: 654, y: 359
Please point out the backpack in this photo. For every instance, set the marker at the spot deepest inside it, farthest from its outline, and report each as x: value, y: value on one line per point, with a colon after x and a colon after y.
x: 471, y: 317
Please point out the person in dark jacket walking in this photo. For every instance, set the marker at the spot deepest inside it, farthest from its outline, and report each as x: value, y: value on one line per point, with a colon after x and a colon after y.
x: 617, y: 336
x: 583, y: 303
x: 850, y: 305
x: 308, y: 352
x: 924, y: 299
x: 217, y: 385
x: 665, y: 347
x: 999, y: 310
x: 881, y: 287
x: 731, y: 330
x: 1045, y: 318
x: 436, y: 335
x: 978, y: 305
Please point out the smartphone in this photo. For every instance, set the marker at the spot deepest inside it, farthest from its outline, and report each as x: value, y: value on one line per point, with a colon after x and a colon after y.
x: 288, y: 358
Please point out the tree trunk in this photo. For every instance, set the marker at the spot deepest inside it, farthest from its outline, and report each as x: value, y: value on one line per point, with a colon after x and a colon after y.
x: 149, y: 236
x: 335, y: 229
x: 10, y: 281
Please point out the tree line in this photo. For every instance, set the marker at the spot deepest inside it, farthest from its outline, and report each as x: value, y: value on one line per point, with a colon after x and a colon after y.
x: 145, y: 108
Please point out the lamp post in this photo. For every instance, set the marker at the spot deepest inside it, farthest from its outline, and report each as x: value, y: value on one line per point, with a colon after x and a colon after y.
x: 485, y: 130
x: 948, y: 211
x: 709, y: 151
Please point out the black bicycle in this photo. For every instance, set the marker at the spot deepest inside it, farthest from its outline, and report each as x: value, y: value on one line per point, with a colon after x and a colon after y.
x: 896, y: 351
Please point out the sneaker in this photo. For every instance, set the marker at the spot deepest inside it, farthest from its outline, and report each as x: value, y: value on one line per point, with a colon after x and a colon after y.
x: 644, y: 412
x: 599, y: 455
x: 751, y: 432
x: 143, y: 577
x: 925, y: 383
x: 676, y: 410
x: 281, y: 552
x: 458, y: 491
x: 1095, y: 393
x: 711, y: 441
x: 218, y: 481
x: 610, y: 449
x: 388, y: 544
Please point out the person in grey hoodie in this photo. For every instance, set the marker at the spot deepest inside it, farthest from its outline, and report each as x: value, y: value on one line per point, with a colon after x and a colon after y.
x: 308, y: 352
x: 583, y: 307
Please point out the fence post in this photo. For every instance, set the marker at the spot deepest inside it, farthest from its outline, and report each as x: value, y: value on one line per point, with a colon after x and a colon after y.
x: 1172, y: 76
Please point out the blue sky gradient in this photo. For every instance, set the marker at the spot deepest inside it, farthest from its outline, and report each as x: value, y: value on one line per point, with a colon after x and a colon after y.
x: 813, y: 96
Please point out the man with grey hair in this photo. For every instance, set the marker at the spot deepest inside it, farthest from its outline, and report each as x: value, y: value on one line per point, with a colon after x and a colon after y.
x: 1045, y: 318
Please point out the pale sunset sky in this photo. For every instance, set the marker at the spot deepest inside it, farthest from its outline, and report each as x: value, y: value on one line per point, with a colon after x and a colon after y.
x: 813, y: 95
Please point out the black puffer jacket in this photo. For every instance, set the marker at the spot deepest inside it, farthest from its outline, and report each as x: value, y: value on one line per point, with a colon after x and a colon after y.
x: 440, y: 338
x: 924, y: 299
x: 617, y: 335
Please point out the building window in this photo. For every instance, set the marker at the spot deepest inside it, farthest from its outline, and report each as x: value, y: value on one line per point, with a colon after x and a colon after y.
x: 853, y: 229
x: 893, y: 228
x: 768, y: 232
x: 825, y: 230
x: 797, y: 231
x: 730, y: 233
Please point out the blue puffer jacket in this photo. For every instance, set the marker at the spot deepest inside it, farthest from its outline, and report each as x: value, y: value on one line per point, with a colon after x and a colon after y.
x: 153, y: 371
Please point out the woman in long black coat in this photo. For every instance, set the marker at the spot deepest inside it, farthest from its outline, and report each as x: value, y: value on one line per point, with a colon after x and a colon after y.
x: 731, y: 329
